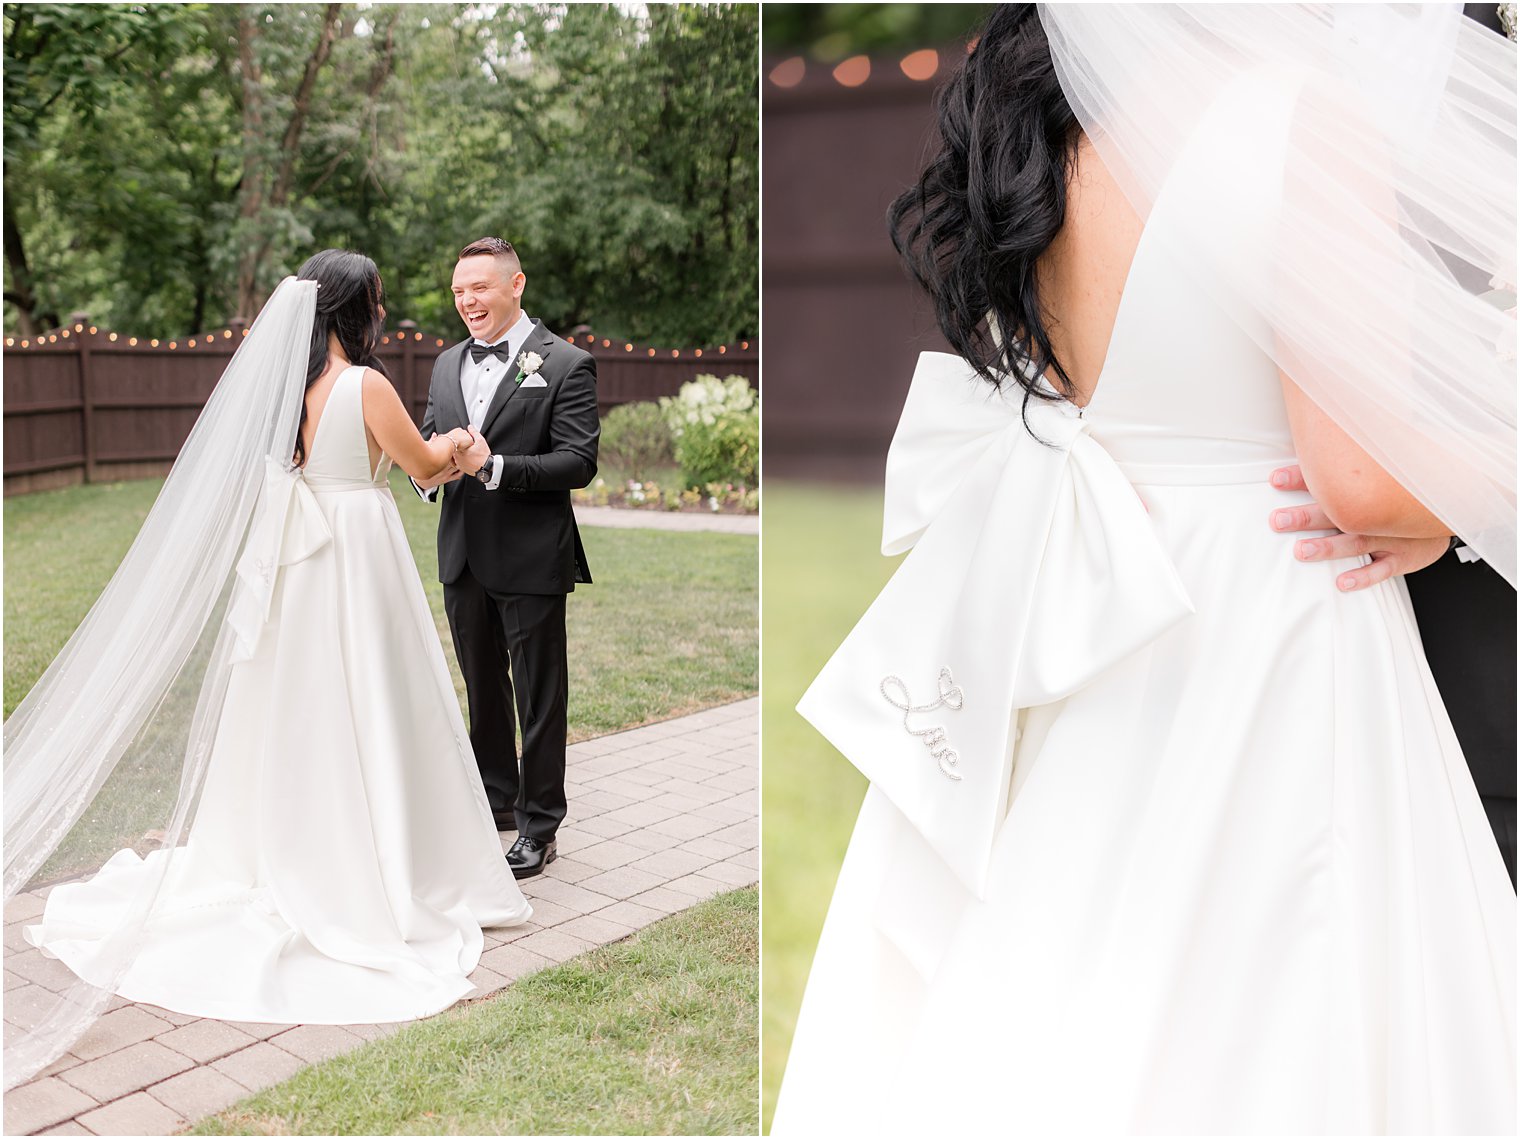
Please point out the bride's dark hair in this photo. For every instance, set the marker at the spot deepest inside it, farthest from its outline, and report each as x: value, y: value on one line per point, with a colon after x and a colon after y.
x: 348, y: 303
x: 992, y: 199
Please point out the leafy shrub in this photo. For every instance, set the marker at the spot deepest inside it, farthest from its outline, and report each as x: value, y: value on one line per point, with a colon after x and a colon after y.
x: 716, y: 425
x: 636, y: 438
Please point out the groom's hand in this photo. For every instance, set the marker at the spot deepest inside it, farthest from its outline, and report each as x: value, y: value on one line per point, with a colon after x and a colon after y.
x: 472, y: 458
x: 1389, y: 556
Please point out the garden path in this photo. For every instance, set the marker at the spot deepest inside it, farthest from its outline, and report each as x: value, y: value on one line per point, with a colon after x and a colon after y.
x: 661, y: 817
x: 624, y: 519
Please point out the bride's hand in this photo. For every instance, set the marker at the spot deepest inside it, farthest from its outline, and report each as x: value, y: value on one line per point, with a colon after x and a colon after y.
x: 1390, y: 556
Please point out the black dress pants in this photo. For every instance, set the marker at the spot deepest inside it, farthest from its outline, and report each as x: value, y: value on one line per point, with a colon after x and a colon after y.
x: 1466, y: 614
x: 513, y: 645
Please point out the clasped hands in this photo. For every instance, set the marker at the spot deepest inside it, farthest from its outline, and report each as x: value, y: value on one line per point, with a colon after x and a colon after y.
x: 1390, y: 556
x: 470, y: 452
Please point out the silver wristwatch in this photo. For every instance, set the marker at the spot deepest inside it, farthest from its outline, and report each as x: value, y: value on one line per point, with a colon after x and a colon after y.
x: 484, y: 473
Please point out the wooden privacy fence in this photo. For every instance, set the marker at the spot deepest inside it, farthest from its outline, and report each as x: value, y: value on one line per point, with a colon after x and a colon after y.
x: 83, y: 404
x: 839, y: 146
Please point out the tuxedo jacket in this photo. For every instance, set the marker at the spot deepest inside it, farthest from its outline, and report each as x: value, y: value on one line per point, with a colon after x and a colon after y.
x: 520, y: 537
x: 1466, y: 615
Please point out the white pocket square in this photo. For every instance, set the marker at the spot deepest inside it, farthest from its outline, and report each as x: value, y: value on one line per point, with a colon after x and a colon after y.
x: 534, y: 382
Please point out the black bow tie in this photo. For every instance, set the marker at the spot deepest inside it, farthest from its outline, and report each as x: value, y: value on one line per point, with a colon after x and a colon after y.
x: 479, y: 352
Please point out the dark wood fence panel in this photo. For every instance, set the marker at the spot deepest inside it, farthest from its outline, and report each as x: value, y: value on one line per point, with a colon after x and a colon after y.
x: 844, y: 325
x: 85, y: 404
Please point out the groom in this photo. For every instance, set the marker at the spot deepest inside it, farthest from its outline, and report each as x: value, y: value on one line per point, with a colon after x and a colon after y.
x: 508, y: 548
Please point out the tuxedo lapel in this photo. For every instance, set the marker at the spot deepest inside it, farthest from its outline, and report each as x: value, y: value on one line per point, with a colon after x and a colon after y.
x: 538, y: 341
x: 453, y: 372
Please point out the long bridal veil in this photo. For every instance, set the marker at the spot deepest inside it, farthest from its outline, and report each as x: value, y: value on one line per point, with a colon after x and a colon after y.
x: 108, y: 751
x: 1372, y: 151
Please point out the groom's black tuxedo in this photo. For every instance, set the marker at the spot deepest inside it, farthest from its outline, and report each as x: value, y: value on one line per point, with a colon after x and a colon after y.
x: 1466, y: 614
x: 520, y: 537
x: 507, y: 557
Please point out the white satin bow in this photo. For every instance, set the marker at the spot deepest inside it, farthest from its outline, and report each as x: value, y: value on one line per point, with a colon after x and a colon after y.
x: 1034, y: 568
x: 288, y: 526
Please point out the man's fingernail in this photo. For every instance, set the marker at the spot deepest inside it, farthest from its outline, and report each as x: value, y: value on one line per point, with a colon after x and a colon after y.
x: 1346, y: 584
x: 1282, y: 519
x: 1280, y: 478
x: 1306, y: 549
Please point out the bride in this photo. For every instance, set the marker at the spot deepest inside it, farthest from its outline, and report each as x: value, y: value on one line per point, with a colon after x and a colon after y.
x: 247, y: 772
x: 1166, y: 833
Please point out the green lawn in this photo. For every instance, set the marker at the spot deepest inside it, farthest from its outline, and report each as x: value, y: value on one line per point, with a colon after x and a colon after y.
x: 652, y: 1035
x: 668, y: 627
x: 822, y: 568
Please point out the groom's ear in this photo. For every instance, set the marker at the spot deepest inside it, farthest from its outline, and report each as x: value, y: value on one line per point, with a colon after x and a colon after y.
x: 519, y: 282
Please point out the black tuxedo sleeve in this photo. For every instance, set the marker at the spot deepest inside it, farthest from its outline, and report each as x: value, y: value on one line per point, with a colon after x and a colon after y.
x: 574, y: 430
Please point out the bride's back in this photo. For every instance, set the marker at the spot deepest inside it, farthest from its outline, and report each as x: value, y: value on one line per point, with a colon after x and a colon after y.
x: 1081, y: 275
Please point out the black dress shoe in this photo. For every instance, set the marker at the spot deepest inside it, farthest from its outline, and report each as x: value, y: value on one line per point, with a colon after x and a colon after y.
x: 505, y: 820
x: 529, y: 856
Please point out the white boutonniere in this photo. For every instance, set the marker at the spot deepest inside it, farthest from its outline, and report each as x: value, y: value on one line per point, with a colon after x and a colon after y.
x: 528, y: 364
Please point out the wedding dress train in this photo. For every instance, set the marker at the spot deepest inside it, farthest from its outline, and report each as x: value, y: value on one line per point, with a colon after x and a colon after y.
x: 342, y: 858
x: 1165, y: 833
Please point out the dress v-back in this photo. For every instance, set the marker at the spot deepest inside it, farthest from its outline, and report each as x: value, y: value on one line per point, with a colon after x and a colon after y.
x: 1165, y: 833
x: 342, y: 858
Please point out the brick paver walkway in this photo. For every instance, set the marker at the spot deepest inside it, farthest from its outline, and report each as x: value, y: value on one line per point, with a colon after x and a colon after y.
x: 660, y: 818
x: 619, y: 518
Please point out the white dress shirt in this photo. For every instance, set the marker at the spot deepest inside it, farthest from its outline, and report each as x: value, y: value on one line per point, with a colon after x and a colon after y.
x: 478, y: 384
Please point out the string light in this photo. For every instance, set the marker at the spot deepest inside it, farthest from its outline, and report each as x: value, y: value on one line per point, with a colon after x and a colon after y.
x: 920, y: 65
x: 853, y: 71
x: 192, y: 342
x: 789, y: 72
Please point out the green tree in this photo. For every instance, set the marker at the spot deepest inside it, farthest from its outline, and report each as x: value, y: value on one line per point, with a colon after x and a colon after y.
x: 166, y: 164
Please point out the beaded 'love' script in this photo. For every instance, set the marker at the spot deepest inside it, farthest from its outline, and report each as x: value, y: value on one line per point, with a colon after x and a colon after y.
x: 935, y: 737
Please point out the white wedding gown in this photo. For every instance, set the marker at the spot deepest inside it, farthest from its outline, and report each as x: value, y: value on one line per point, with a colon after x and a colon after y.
x: 342, y: 859
x: 1194, y: 848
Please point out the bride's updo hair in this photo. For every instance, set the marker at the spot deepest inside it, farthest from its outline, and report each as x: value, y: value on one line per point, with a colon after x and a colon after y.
x: 991, y: 201
x: 348, y: 303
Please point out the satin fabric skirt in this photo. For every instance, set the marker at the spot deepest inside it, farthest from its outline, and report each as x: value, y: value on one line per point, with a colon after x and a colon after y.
x: 1244, y: 885
x: 342, y: 860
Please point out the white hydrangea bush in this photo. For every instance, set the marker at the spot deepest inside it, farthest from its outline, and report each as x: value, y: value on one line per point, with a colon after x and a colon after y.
x: 704, y: 399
